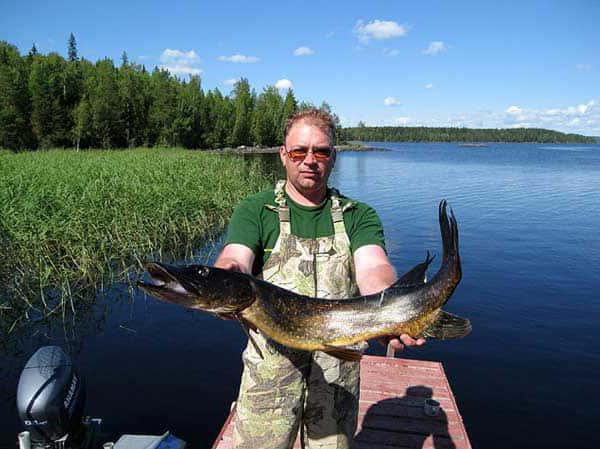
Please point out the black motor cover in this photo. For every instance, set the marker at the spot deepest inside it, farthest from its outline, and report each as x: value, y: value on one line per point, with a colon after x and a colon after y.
x: 50, y: 395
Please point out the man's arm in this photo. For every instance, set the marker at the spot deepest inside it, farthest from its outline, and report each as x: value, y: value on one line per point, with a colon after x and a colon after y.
x: 374, y: 272
x: 236, y: 257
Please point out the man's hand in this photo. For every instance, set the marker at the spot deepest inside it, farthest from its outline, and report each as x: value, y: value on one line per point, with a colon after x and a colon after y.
x: 229, y: 265
x: 236, y: 257
x: 398, y: 343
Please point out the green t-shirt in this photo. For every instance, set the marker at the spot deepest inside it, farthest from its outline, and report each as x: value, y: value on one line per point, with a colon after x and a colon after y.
x: 257, y: 227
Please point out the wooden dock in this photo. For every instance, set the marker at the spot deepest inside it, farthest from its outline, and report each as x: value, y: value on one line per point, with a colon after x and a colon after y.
x: 392, y: 396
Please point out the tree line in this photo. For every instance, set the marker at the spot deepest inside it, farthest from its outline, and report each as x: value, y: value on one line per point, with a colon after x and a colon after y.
x: 425, y: 134
x: 47, y: 101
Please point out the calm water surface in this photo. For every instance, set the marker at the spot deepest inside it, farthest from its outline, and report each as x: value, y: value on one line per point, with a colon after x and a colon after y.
x: 527, y: 377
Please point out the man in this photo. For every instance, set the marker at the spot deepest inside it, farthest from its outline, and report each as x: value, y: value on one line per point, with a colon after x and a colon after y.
x: 307, y: 238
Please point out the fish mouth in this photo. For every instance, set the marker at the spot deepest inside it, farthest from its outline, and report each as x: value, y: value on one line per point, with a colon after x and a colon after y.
x: 165, y: 284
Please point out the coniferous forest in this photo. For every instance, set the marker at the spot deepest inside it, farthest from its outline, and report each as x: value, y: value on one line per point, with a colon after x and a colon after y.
x: 425, y: 134
x: 47, y: 101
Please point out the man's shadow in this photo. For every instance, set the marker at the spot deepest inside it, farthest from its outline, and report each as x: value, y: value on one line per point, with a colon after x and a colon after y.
x: 402, y: 422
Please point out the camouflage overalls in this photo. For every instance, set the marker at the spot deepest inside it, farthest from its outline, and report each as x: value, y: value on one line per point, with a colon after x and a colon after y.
x: 291, y: 387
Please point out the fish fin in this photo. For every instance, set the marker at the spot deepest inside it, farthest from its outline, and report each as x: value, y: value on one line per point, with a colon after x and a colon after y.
x: 246, y: 327
x: 417, y: 275
x: 350, y: 353
x: 448, y: 326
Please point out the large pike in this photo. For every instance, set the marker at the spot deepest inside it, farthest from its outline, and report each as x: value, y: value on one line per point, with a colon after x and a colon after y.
x: 409, y: 306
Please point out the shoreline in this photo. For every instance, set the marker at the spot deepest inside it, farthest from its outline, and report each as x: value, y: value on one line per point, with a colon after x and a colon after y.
x: 243, y: 149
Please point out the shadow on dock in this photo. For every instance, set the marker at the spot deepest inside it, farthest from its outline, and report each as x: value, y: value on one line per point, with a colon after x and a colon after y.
x: 401, y: 422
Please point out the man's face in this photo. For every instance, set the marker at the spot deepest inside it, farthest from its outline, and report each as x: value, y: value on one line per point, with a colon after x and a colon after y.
x: 310, y: 174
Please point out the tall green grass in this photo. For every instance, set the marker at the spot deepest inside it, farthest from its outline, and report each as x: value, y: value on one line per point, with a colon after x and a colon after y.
x: 71, y: 221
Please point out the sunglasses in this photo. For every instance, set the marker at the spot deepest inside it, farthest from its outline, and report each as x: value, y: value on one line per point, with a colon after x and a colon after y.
x: 321, y: 154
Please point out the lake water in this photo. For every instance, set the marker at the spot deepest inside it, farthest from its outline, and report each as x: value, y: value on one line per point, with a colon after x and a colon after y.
x: 527, y: 376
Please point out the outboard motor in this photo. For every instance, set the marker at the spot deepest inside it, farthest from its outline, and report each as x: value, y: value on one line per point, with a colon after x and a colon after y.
x: 50, y: 398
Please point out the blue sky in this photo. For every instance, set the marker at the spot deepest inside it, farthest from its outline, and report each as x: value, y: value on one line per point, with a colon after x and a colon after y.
x: 408, y: 62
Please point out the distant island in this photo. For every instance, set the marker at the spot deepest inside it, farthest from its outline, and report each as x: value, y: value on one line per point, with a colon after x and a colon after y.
x: 424, y: 134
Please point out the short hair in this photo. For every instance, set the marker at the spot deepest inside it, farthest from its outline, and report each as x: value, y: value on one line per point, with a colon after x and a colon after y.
x: 312, y: 116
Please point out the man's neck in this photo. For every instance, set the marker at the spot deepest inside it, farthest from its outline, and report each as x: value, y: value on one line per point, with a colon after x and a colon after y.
x: 306, y: 198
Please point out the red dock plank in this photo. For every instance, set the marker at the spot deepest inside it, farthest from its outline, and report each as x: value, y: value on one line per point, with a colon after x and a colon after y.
x: 392, y: 394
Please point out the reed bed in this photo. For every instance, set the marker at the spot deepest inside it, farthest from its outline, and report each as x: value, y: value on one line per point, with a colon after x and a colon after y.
x: 71, y: 221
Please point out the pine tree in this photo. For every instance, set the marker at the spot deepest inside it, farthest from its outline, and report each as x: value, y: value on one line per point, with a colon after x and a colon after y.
x: 135, y: 102
x: 187, y: 125
x: 50, y: 114
x: 15, y: 102
x: 305, y: 105
x: 267, y: 117
x: 243, y: 105
x: 72, y: 51
x: 224, y: 121
x: 106, y: 107
x: 290, y: 107
x: 163, y: 107
x: 83, y: 130
x: 124, y: 59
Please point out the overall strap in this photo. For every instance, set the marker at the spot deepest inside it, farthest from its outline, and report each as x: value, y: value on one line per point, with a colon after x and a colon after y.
x: 283, y: 211
x: 337, y: 211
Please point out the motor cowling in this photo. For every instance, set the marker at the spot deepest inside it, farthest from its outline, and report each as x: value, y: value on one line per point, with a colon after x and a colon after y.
x: 50, y: 396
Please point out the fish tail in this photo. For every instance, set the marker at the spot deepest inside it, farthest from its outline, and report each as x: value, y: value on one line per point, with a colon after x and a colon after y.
x: 449, y: 229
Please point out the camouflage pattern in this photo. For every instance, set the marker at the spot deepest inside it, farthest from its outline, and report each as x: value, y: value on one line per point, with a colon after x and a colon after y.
x: 289, y: 388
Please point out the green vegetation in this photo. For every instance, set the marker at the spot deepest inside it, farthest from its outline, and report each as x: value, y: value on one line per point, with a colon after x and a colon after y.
x: 47, y: 101
x: 69, y: 221
x: 422, y: 134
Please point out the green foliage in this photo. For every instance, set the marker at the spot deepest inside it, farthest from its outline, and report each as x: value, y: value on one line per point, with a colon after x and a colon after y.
x: 267, y: 118
x: 290, y: 107
x: 67, y: 219
x: 50, y: 115
x: 187, y: 125
x: 243, y: 102
x: 422, y: 134
x: 162, y: 112
x: 105, y: 105
x: 15, y: 102
x: 134, y: 90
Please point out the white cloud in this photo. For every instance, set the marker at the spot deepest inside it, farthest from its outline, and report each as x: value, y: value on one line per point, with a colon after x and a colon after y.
x: 391, y: 101
x: 230, y: 81
x: 428, y: 86
x: 514, y: 110
x: 585, y: 108
x: 303, y: 51
x: 390, y: 52
x: 435, y: 48
x: 178, y: 56
x: 584, y: 67
x: 581, y: 118
x: 379, y: 30
x: 178, y: 69
x: 238, y: 58
x: 283, y: 84
x: 180, y: 62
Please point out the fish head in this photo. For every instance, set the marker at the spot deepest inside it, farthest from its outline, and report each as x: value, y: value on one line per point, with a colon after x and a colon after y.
x: 200, y: 287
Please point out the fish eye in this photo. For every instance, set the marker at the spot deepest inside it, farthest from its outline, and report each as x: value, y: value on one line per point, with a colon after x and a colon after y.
x: 203, y: 271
